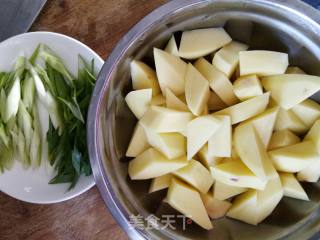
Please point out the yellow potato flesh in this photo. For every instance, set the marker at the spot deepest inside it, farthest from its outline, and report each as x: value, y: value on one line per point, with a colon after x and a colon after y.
x: 289, y: 90
x: 218, y: 81
x: 206, y: 159
x: 164, y: 120
x: 160, y: 183
x: 196, y: 175
x: 292, y: 187
x: 139, y: 101
x: 196, y: 90
x: 152, y: 164
x: 247, y: 87
x: 308, y: 112
x: 172, y: 47
x: 294, y: 158
x: 310, y: 173
x: 282, y: 138
x: 294, y: 70
x: 247, y: 109
x: 262, y: 63
x: 174, y: 102
x: 170, y: 71
x: 215, y: 208
x: 215, y: 103
x: 201, y: 42
x: 187, y: 200
x: 223, y: 191
x: 138, y: 142
x: 287, y: 120
x: 144, y: 77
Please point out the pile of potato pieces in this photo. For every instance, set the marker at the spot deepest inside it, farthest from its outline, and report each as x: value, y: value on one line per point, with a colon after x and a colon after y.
x: 223, y: 147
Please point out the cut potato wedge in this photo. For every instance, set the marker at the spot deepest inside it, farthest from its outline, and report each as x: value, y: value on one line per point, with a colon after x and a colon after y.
x: 314, y: 134
x: 187, y: 200
x: 139, y: 101
x: 292, y: 187
x: 294, y: 70
x: 215, y: 208
x: 160, y: 183
x: 220, y: 143
x: 152, y: 164
x: 289, y: 90
x: 247, y: 109
x: 171, y: 145
x: 310, y: 173
x: 264, y: 124
x: 197, y: 90
x: 223, y: 191
x: 196, y: 175
x: 218, y: 81
x: 199, y: 132
x: 294, y: 158
x: 308, y: 112
x: 227, y: 58
x: 247, y: 87
x: 172, y: 47
x: 282, y: 138
x: 144, y: 77
x: 206, y: 159
x: 174, y: 102
x: 287, y: 120
x: 252, y: 152
x: 244, y: 207
x: 138, y: 142
x: 158, y: 100
x: 215, y: 103
x: 263, y: 63
x: 235, y: 173
x: 164, y: 120
x: 201, y: 42
x: 170, y: 71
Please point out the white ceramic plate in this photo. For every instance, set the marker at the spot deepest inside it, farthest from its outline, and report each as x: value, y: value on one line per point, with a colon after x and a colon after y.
x: 32, y: 185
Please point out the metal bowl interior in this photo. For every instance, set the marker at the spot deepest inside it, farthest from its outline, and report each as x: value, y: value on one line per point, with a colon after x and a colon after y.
x: 287, y: 26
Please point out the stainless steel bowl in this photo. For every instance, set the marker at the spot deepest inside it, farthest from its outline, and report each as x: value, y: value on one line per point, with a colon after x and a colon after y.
x: 283, y: 25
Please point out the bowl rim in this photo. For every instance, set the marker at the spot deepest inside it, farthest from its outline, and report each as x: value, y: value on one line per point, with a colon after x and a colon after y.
x: 102, y: 180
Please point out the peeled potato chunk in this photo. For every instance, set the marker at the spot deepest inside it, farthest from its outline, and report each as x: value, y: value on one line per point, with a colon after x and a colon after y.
x: 247, y: 109
x: 247, y: 87
x: 308, y: 111
x: 206, y: 159
x: 223, y: 191
x: 310, y: 173
x: 164, y: 120
x: 218, y: 81
x: 314, y: 134
x: 170, y: 71
x: 138, y: 142
x: 215, y: 103
x: 294, y: 70
x: 294, y: 158
x: 152, y: 164
x: 199, y: 132
x: 174, y: 102
x: 215, y: 208
x: 172, y: 47
x: 252, y: 151
x: 263, y: 63
x: 264, y: 124
x: 171, y: 145
x: 200, y: 42
x: 196, y: 89
x: 289, y: 90
x: 158, y: 100
x: 220, y: 143
x: 196, y: 175
x: 144, y: 77
x: 287, y: 120
x: 187, y: 200
x: 139, y: 101
x: 235, y: 173
x: 244, y: 207
x: 160, y: 183
x: 292, y: 187
x: 282, y: 138
x: 227, y: 58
